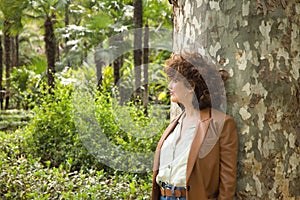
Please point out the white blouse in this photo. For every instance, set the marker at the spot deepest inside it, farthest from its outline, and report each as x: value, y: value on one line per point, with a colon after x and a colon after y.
x: 173, y: 157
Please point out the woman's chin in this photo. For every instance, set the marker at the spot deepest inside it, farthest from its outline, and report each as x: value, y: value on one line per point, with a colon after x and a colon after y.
x: 174, y: 100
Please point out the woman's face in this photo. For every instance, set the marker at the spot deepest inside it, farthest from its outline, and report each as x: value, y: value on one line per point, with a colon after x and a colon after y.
x: 178, y: 91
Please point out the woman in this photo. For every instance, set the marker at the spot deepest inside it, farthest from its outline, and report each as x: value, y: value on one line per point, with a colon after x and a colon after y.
x: 196, y: 156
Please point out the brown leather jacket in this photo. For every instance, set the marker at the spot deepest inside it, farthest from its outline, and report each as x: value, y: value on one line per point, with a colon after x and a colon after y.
x: 211, y: 167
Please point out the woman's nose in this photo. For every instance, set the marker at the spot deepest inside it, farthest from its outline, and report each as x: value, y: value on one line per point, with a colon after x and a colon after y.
x: 170, y: 85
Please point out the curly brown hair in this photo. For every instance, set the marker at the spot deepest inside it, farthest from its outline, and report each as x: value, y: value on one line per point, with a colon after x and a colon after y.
x: 197, y: 72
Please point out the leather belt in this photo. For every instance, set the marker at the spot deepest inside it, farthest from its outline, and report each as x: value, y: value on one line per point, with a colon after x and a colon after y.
x: 168, y: 192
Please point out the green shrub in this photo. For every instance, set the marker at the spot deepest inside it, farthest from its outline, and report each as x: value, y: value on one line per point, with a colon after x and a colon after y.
x: 23, y: 177
x: 59, y: 128
x: 26, y: 81
x: 53, y: 135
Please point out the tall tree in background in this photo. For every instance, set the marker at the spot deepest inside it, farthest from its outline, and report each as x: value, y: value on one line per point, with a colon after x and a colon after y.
x: 12, y: 26
x: 67, y: 23
x: 145, y: 67
x: 258, y: 43
x: 1, y: 74
x: 16, y: 56
x: 118, y: 63
x: 8, y: 62
x: 49, y: 11
x: 138, y: 53
x: 50, y: 43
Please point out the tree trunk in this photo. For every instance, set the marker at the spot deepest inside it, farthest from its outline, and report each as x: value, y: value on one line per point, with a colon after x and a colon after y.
x: 13, y: 51
x: 1, y: 75
x: 67, y: 22
x: 8, y: 61
x: 50, y: 43
x: 17, y: 50
x: 99, y: 65
x: 258, y: 43
x: 118, y: 63
x: 138, y: 54
x: 117, y: 66
x: 145, y: 68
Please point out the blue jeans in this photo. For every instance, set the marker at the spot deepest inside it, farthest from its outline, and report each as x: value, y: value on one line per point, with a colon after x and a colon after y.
x: 172, y: 198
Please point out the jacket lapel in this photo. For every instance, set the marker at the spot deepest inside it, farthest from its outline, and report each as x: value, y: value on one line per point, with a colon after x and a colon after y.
x: 201, y: 131
x: 166, y: 133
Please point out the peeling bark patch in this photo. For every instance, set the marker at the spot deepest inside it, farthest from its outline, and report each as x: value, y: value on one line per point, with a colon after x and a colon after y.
x: 294, y: 187
x: 241, y: 60
x: 214, y: 5
x: 265, y: 6
x: 267, y: 174
x: 244, y: 114
x: 254, y: 100
x: 271, y: 77
x: 245, y: 8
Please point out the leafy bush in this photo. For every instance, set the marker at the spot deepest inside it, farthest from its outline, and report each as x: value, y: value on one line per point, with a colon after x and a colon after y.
x: 24, y: 177
x: 53, y: 135
x: 26, y: 81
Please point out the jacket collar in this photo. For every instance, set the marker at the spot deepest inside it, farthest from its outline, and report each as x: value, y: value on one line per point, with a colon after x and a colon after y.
x: 166, y: 133
x: 201, y: 130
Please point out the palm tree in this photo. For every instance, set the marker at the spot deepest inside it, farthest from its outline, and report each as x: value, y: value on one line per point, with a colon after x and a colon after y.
x: 138, y: 53
x: 145, y: 67
x: 1, y: 73
x: 48, y: 11
x: 12, y: 14
x: 8, y: 64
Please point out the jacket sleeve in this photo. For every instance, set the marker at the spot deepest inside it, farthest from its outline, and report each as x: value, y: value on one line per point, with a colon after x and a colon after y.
x: 228, y: 160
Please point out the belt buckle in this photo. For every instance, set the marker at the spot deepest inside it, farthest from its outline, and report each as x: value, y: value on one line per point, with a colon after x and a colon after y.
x: 177, y: 193
x: 163, y: 191
x: 168, y: 190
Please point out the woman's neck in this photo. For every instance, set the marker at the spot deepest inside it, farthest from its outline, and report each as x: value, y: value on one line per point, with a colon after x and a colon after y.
x: 191, y: 112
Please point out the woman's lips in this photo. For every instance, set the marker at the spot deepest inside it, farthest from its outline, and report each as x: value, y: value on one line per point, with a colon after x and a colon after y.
x: 171, y: 92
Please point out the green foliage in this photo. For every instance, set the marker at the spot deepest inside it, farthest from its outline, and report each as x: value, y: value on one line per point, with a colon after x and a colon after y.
x: 13, y: 13
x: 54, y: 136
x: 47, y: 159
x: 127, y: 125
x: 25, y: 83
x: 52, y: 131
x: 45, y: 9
x: 24, y: 177
x: 157, y: 13
x: 99, y: 21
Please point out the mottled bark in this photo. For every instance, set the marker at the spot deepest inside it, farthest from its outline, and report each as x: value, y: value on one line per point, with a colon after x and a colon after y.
x: 50, y: 43
x: 258, y: 43
x: 138, y: 53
